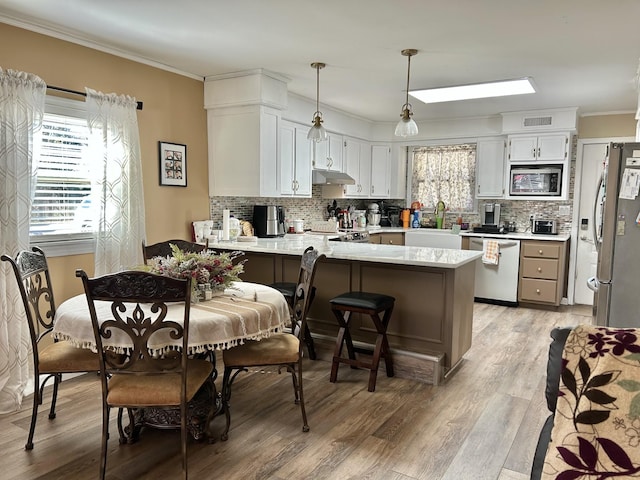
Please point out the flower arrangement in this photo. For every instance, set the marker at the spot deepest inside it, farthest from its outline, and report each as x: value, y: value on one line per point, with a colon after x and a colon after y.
x: 205, y: 268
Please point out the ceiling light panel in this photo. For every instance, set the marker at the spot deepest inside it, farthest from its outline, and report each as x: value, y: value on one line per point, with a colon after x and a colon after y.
x: 480, y: 90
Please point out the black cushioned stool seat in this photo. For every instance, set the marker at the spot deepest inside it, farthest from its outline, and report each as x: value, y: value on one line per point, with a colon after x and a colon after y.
x: 372, y: 304
x: 288, y: 289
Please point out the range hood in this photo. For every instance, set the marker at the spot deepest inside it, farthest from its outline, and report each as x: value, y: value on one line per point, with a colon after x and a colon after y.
x: 329, y: 177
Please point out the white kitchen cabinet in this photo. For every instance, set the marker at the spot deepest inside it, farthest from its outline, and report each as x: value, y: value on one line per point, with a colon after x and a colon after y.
x: 490, y: 168
x: 328, y: 155
x: 380, y: 171
x: 243, y: 151
x: 357, y: 164
x: 398, y: 176
x: 295, y: 160
x: 539, y: 148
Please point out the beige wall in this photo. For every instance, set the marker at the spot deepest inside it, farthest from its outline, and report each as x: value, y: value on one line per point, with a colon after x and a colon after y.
x: 173, y: 111
x: 604, y: 126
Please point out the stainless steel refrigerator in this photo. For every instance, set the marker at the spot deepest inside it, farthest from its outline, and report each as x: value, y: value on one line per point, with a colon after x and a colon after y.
x: 617, y: 225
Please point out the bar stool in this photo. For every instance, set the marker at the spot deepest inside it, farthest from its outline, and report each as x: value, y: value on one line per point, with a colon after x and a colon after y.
x: 371, y: 304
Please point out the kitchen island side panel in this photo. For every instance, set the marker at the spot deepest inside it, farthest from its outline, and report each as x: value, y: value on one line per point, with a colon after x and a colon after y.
x: 433, y: 313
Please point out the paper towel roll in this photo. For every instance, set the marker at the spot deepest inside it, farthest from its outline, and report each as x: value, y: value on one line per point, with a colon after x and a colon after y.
x: 225, y: 224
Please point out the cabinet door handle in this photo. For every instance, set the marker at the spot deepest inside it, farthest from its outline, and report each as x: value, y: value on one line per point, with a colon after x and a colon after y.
x: 539, y: 269
x: 373, y: 190
x: 538, y: 152
x: 540, y: 252
x: 329, y: 162
x: 537, y: 290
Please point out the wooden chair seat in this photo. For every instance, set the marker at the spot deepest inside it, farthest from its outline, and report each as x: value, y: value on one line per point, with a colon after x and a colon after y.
x: 65, y: 357
x: 143, y: 391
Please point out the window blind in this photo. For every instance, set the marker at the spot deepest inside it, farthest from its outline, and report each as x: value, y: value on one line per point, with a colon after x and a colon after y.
x: 61, y: 201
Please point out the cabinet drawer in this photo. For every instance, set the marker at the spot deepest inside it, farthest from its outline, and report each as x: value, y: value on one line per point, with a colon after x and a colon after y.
x: 541, y: 250
x: 392, y: 238
x: 546, y: 268
x: 535, y: 290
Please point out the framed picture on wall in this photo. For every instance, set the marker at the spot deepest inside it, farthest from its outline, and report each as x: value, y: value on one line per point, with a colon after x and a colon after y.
x: 173, y: 164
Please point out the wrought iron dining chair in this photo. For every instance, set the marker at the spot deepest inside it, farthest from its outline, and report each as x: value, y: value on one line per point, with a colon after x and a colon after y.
x: 144, y: 374
x: 163, y: 249
x: 51, y: 359
x: 288, y: 289
x: 281, y: 350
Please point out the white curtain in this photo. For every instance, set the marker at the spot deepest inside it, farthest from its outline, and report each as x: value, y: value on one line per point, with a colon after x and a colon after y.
x: 117, y: 189
x: 21, y: 110
x: 445, y: 173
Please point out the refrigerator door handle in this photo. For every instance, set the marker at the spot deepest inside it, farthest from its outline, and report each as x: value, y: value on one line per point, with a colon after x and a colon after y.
x: 597, y: 240
x: 593, y: 284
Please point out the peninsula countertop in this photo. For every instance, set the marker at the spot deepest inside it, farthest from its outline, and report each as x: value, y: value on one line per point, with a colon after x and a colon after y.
x: 294, y: 244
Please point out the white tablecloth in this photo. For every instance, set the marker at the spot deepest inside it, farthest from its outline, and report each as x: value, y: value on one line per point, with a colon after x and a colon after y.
x: 246, y: 311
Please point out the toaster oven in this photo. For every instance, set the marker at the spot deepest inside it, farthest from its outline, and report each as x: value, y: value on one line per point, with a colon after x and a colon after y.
x: 545, y: 227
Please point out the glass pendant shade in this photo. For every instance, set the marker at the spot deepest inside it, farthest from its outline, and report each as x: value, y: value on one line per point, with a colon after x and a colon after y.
x: 407, y: 127
x: 317, y: 133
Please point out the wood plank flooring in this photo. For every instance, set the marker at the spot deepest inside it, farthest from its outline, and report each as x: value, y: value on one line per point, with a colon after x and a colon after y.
x: 483, y: 423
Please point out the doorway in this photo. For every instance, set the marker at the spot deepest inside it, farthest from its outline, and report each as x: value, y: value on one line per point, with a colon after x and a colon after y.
x: 590, y: 160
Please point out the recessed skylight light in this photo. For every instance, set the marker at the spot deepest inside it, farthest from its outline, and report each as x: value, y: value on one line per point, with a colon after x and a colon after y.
x: 479, y: 90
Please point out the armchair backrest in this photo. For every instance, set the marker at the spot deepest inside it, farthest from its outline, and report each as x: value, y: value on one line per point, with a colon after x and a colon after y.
x: 136, y: 316
x: 34, y: 283
x: 163, y: 249
x: 302, y: 295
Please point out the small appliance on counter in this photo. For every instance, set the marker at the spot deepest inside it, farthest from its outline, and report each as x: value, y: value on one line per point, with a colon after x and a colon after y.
x: 545, y: 227
x: 490, y: 214
x: 268, y: 221
x: 374, y: 215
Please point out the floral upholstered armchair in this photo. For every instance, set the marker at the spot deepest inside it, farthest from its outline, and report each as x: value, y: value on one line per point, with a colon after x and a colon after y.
x: 593, y: 392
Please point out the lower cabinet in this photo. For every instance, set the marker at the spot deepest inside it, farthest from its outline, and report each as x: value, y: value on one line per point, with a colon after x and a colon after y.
x: 542, y: 272
x: 389, y: 238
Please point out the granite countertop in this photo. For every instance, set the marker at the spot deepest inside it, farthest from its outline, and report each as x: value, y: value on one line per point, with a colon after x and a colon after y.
x: 294, y: 244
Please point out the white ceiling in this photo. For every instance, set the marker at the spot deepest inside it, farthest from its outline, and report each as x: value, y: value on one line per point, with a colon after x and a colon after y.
x: 580, y: 53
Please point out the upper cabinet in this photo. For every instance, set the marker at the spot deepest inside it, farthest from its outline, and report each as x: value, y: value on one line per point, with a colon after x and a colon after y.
x: 328, y: 155
x: 243, y: 151
x: 539, y: 148
x: 295, y: 160
x: 398, y: 175
x: 357, y: 164
x: 243, y: 124
x: 490, y: 168
x: 380, y: 171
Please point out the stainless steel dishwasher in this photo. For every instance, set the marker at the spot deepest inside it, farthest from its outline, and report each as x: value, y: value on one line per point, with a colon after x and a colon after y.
x: 497, y: 283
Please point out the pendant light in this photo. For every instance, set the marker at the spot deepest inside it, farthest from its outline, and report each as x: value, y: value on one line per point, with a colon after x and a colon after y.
x: 407, y: 126
x: 317, y: 133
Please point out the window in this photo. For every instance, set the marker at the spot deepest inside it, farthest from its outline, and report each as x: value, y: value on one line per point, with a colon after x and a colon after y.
x: 61, y: 214
x: 445, y: 173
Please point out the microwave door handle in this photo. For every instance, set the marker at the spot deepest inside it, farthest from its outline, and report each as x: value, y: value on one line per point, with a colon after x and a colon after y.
x: 596, y: 239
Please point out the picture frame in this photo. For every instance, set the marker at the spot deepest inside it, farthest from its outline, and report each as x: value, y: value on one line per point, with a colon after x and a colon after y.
x: 172, y: 164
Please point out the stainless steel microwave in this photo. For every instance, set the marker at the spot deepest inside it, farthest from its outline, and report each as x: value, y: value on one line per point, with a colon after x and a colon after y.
x: 543, y: 180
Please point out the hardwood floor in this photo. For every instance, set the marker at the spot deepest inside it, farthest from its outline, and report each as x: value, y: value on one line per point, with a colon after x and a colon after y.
x: 483, y: 423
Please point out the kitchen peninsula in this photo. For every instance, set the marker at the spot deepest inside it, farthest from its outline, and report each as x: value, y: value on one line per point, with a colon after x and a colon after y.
x: 430, y: 329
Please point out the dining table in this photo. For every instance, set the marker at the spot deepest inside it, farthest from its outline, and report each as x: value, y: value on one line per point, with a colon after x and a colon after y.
x: 244, y: 311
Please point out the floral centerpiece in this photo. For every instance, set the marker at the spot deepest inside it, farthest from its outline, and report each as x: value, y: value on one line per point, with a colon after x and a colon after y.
x: 205, y: 268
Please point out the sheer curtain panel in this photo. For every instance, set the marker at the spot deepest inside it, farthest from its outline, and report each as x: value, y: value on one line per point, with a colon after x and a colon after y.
x: 21, y: 110
x: 117, y: 188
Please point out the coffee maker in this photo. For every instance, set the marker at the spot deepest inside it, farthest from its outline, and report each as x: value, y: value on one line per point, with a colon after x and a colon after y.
x: 268, y: 221
x: 490, y: 214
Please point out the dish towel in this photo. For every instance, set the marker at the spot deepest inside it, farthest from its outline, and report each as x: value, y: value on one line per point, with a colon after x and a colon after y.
x: 490, y: 252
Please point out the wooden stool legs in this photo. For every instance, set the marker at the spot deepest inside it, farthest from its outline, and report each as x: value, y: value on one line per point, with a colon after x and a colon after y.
x: 381, y: 349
